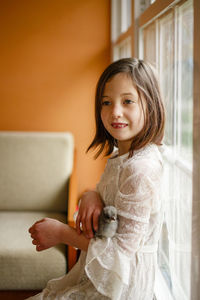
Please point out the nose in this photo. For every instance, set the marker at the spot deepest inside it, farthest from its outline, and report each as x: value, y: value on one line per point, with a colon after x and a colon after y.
x: 117, y: 111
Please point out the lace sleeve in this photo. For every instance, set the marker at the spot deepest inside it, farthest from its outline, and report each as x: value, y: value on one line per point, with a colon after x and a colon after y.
x: 136, y: 200
x: 108, y: 260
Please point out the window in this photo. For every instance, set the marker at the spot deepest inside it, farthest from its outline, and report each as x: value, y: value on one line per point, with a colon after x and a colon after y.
x: 124, y: 15
x: 122, y: 28
x: 162, y: 31
x: 167, y: 42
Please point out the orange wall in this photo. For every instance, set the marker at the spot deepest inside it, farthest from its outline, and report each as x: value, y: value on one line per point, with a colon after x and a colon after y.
x: 51, y: 55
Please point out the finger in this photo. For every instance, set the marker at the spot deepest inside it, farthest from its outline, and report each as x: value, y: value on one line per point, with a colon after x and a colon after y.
x: 30, y: 230
x: 83, y: 223
x: 38, y: 222
x: 88, y: 225
x: 96, y: 215
x: 41, y: 248
x: 78, y: 221
x: 35, y: 242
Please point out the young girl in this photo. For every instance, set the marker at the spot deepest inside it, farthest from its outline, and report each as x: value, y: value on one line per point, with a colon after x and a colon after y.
x: 129, y: 116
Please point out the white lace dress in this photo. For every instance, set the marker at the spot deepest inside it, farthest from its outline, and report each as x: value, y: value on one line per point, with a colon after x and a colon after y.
x: 122, y: 267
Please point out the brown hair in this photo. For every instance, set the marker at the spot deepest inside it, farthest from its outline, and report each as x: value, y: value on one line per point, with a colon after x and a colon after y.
x: 146, y: 84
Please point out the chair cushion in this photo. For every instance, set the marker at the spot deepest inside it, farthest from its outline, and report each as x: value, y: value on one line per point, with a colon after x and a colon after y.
x: 22, y: 267
x: 34, y: 170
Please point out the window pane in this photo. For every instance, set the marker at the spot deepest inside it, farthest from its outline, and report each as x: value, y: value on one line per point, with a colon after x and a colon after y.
x: 149, y: 43
x: 166, y: 37
x: 185, y: 71
x: 122, y: 50
x: 121, y: 17
x: 178, y: 220
x: 116, y: 19
x: 129, y: 13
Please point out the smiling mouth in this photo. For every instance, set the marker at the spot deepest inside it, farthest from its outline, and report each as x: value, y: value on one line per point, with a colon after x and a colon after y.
x: 119, y: 125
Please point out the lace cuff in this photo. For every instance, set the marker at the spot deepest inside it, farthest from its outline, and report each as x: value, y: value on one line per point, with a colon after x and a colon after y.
x: 107, y: 267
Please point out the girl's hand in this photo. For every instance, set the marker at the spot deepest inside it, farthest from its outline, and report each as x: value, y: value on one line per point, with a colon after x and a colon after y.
x: 46, y: 233
x: 90, y: 208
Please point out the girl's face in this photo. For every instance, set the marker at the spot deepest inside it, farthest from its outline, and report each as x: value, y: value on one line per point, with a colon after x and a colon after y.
x: 121, y: 112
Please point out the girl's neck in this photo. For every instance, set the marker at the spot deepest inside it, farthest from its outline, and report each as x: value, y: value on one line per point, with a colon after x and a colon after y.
x: 122, y: 153
x: 123, y: 147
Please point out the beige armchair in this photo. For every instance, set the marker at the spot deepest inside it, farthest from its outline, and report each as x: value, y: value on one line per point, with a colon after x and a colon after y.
x: 35, y: 177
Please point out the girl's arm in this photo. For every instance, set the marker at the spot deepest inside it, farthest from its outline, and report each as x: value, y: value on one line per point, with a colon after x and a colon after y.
x: 48, y: 232
x: 90, y: 209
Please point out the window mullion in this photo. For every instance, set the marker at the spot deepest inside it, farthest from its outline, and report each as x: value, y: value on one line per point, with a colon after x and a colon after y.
x: 195, y: 256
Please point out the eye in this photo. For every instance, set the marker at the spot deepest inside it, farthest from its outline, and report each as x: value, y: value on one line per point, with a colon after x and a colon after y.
x: 128, y: 101
x: 105, y: 103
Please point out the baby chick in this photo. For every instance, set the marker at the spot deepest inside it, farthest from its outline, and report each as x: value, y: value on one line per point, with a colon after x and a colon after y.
x: 108, y: 222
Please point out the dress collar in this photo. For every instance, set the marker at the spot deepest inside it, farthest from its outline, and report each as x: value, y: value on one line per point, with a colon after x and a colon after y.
x: 116, y: 159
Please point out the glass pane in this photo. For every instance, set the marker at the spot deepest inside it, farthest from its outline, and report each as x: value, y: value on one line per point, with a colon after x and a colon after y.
x: 123, y: 50
x: 149, y: 43
x: 175, y: 243
x: 166, y: 37
x: 129, y: 12
x: 179, y: 232
x: 121, y: 17
x: 185, y: 79
x: 116, y: 19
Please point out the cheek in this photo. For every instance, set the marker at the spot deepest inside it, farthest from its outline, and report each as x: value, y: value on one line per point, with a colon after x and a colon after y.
x: 138, y: 119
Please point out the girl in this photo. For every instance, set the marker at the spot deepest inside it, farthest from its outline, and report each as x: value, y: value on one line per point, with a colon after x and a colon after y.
x: 129, y: 116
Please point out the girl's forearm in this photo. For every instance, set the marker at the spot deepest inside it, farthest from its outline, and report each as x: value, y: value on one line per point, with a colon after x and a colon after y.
x: 49, y: 232
x: 70, y: 237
